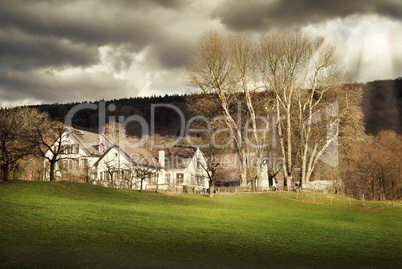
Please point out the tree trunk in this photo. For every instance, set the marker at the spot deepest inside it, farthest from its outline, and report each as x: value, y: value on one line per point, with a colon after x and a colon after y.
x: 243, y: 180
x: 259, y: 179
x: 52, y: 165
x: 288, y: 181
x: 211, y: 190
x: 270, y: 180
x: 5, y: 172
x: 157, y: 184
x: 141, y: 185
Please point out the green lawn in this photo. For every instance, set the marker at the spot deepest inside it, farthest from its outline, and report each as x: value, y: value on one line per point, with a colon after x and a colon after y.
x: 69, y: 225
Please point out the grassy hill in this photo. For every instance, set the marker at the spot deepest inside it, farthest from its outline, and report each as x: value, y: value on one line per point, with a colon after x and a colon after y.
x: 63, y: 224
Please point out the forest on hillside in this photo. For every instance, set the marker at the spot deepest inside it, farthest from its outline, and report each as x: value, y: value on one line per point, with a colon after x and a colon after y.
x: 382, y: 108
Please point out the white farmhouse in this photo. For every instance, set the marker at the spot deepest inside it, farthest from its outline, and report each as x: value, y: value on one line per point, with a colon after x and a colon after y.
x: 182, y: 169
x: 120, y: 168
x: 92, y: 158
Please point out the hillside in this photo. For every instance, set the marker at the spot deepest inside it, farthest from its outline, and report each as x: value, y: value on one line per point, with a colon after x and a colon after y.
x: 382, y: 107
x: 70, y: 225
x: 166, y: 122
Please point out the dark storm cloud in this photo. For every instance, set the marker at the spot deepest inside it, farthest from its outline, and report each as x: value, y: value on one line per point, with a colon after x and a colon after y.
x: 48, y: 88
x: 260, y: 14
x: 22, y: 51
x: 88, y: 25
x: 57, y: 50
x: 85, y: 22
x: 174, y: 4
x: 172, y: 52
x: 41, y: 36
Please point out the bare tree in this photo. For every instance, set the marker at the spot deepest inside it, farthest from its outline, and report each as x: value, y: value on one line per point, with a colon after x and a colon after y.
x: 373, y: 167
x: 128, y: 178
x: 16, y: 128
x: 299, y: 75
x: 211, y: 71
x: 243, y: 52
x: 111, y: 170
x: 302, y: 72
x: 209, y: 161
x: 48, y: 139
x: 227, y: 70
x: 144, y: 172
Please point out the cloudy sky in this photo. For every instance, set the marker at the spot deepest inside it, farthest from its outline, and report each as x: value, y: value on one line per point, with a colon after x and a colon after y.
x: 66, y: 51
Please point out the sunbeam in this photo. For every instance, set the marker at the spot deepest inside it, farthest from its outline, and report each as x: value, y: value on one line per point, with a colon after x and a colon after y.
x: 366, y: 44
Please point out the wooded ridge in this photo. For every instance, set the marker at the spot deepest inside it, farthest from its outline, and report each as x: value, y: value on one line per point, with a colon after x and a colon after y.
x: 382, y: 107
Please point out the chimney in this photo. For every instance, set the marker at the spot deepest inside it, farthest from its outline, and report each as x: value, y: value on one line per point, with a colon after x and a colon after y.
x: 101, y: 146
x: 162, y: 158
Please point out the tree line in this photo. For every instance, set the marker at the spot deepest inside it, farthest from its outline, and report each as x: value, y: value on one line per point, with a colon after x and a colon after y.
x: 382, y: 108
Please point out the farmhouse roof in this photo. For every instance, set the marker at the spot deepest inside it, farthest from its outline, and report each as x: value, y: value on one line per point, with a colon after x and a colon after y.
x: 142, y: 156
x: 89, y: 140
x: 138, y: 156
x: 177, y: 157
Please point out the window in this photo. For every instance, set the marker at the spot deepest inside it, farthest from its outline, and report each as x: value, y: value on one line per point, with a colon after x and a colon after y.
x: 75, y: 164
x: 75, y: 149
x: 70, y: 149
x: 179, y: 178
x: 101, y: 176
x: 127, y: 174
x: 198, y: 164
x: 65, y: 165
x: 167, y: 178
x: 200, y: 180
x: 65, y: 149
x: 84, y: 163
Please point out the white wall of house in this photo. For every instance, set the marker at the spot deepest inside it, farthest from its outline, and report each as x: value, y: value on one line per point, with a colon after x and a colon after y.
x: 193, y: 175
x: 115, y: 167
x: 114, y: 161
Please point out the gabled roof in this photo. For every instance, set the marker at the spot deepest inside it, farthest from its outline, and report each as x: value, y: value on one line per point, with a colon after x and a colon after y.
x: 103, y: 155
x: 138, y: 156
x: 89, y: 140
x: 178, y: 157
x: 142, y: 156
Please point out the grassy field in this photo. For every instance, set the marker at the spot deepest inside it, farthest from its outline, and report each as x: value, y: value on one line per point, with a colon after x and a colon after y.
x: 70, y: 225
